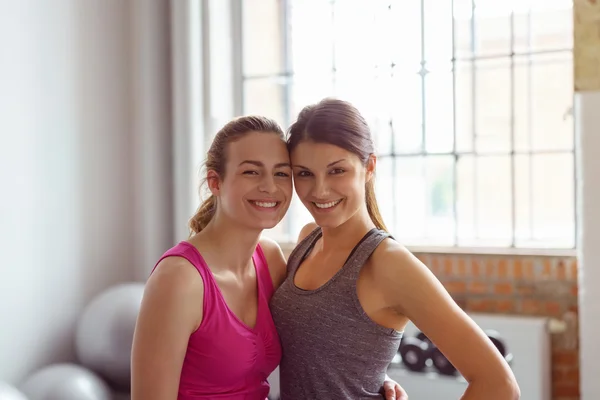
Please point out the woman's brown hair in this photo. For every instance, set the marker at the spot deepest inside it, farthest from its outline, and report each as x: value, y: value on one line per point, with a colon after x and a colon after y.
x: 339, y: 123
x: 216, y: 159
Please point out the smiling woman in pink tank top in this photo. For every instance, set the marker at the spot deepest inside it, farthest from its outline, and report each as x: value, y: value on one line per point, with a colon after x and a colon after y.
x: 205, y: 330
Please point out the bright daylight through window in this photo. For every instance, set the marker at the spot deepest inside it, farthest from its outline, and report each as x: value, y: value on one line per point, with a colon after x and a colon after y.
x: 469, y: 103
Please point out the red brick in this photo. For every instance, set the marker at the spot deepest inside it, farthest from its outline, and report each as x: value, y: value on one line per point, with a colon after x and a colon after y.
x: 475, y: 269
x: 547, y: 269
x: 552, y: 308
x: 517, y: 269
x: 565, y: 389
x: 461, y: 267
x: 456, y: 287
x: 478, y: 287
x: 528, y: 270
x: 529, y: 306
x: 561, y: 271
x: 505, y: 306
x: 573, y: 270
x: 572, y: 376
x: 448, y: 266
x: 502, y: 268
x: 435, y: 265
x: 480, y: 305
x: 574, y: 290
x: 565, y: 358
x: 525, y: 289
x: 503, y: 288
x: 490, y: 268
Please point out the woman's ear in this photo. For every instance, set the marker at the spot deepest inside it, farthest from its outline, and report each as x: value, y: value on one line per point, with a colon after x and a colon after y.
x: 214, y: 183
x: 371, y: 164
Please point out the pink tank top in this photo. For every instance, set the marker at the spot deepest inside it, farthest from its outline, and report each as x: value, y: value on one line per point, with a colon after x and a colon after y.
x: 225, y: 358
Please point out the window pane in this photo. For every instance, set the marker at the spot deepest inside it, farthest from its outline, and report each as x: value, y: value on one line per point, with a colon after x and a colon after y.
x: 262, y: 23
x: 424, y: 200
x: 523, y: 198
x: 464, y: 106
x: 405, y: 23
x: 463, y: 42
x: 438, y: 33
x: 492, y: 28
x: 543, y: 102
x: 484, y: 201
x: 407, y: 112
x: 410, y: 198
x: 356, y: 48
x: 439, y: 111
x: 551, y: 192
x: 552, y: 100
x: 379, y: 113
x: 492, y: 106
x: 266, y: 97
x: 308, y: 89
x: 384, y: 190
x: 311, y: 49
x: 551, y: 25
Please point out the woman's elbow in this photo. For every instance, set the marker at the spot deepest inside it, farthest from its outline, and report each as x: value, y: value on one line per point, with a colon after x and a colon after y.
x: 514, y: 391
x: 499, y: 386
x: 509, y: 388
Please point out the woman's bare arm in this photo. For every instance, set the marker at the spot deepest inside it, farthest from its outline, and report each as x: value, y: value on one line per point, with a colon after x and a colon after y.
x: 171, y: 311
x: 412, y: 290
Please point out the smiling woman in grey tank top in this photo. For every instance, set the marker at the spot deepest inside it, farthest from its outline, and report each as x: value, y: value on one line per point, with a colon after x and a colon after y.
x: 328, y: 324
x: 351, y: 289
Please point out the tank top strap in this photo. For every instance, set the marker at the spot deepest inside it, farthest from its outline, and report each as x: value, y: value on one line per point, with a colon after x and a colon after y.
x: 362, y: 251
x: 192, y: 255
x: 302, y: 250
x: 263, y: 275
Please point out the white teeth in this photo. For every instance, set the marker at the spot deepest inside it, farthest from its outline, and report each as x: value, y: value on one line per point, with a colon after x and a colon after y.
x: 327, y: 205
x: 265, y: 205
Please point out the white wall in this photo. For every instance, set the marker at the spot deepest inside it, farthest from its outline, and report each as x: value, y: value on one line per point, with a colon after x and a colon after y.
x: 66, y: 193
x: 588, y: 134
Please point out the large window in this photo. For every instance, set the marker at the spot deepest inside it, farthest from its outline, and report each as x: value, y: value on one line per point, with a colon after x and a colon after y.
x: 469, y: 103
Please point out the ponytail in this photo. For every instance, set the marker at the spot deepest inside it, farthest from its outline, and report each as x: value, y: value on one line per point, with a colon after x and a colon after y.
x: 372, y: 206
x: 205, y: 213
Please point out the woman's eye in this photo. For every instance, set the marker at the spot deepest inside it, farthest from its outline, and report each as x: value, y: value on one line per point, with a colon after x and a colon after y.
x: 303, y: 173
x: 337, y: 171
x: 282, y: 174
x: 250, y: 172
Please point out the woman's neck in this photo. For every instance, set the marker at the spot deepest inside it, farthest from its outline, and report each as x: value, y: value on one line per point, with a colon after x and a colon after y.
x: 347, y: 235
x: 231, y: 243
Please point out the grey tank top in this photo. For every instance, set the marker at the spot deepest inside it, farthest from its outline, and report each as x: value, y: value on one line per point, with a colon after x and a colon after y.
x: 331, y: 348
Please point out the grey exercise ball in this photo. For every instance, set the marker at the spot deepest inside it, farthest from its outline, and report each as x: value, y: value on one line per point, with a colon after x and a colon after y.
x: 8, y: 392
x: 65, y: 382
x: 105, y: 333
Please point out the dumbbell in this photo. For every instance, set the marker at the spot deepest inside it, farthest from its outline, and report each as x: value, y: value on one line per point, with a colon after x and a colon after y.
x: 415, y: 352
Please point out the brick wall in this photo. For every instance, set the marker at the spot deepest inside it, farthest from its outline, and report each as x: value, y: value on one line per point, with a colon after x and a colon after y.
x: 523, y: 285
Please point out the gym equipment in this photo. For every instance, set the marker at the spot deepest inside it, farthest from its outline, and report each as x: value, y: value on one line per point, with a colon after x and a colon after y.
x: 65, y: 382
x: 105, y: 330
x: 416, y: 351
x: 8, y: 392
